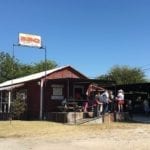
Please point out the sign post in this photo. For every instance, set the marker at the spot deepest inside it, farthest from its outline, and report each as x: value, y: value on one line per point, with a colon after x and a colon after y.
x: 33, y: 41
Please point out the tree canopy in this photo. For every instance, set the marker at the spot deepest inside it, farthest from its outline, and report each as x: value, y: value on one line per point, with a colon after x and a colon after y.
x: 6, y: 66
x: 11, y: 68
x: 124, y: 75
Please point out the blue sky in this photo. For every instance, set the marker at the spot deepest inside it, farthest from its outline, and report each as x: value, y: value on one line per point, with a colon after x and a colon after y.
x: 90, y: 35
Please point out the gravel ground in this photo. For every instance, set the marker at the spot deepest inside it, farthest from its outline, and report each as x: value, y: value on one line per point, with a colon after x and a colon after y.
x: 137, y: 138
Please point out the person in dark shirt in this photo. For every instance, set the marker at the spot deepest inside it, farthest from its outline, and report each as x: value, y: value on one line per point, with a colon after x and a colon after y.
x: 129, y: 108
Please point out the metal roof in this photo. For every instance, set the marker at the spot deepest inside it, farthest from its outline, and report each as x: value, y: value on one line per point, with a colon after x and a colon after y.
x: 33, y: 76
x: 10, y: 87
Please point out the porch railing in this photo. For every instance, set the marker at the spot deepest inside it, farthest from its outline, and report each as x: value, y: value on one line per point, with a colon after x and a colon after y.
x: 5, y: 116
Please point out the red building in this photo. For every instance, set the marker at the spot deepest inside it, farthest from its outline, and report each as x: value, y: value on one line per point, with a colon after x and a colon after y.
x: 44, y: 92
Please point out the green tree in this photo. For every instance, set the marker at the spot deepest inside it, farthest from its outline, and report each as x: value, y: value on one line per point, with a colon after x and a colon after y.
x: 7, y: 65
x: 11, y: 68
x: 42, y: 65
x: 124, y: 75
x: 25, y: 69
x: 18, y: 107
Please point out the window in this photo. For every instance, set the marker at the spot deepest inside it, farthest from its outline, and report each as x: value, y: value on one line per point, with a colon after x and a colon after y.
x: 4, y: 101
x: 57, y: 92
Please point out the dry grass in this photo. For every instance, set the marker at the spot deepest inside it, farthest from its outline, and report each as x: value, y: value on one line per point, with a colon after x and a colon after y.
x: 44, y: 135
x: 57, y: 130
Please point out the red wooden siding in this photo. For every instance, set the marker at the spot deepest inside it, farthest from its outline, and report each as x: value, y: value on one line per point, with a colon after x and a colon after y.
x: 33, y: 99
x: 65, y: 73
x: 33, y: 91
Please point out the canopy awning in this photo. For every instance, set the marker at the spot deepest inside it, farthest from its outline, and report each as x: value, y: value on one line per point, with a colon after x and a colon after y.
x: 93, y: 88
x: 10, y: 87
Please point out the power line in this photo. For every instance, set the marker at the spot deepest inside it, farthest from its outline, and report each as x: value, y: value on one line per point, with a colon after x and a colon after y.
x: 145, y: 66
x: 146, y: 69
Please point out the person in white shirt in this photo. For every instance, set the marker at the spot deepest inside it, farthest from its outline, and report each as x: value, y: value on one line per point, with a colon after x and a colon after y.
x: 120, y: 100
x: 104, y: 97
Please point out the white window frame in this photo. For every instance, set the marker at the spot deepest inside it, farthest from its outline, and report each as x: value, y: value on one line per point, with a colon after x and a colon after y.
x: 57, y: 92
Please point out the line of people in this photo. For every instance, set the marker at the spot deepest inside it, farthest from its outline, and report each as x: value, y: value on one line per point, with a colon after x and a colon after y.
x: 102, y: 103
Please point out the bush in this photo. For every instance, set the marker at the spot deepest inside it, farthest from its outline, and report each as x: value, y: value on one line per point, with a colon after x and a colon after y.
x: 18, y: 107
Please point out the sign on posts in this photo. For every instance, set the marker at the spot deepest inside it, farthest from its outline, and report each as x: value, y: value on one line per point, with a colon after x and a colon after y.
x: 30, y: 40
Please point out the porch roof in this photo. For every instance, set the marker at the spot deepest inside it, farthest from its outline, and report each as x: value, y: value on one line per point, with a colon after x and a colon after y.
x: 10, y: 87
x: 86, y: 81
x: 135, y: 87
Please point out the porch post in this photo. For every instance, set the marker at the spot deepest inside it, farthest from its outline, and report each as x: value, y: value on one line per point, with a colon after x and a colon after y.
x: 1, y: 102
x: 9, y: 100
x: 41, y: 99
x: 68, y: 88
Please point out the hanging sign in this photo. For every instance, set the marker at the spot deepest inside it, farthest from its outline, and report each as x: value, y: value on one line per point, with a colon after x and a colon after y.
x: 30, y: 40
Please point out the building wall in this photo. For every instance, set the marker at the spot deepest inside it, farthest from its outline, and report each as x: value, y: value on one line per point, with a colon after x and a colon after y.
x: 49, y: 104
x: 33, y: 100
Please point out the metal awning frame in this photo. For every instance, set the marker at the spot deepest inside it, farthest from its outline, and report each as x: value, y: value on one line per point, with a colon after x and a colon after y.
x: 8, y: 88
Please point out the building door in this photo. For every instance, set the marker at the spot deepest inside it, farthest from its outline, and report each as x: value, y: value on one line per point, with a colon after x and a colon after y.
x: 78, y: 91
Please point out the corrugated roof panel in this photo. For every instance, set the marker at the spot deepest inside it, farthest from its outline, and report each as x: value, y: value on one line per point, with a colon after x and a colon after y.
x: 30, y: 77
x: 10, y: 87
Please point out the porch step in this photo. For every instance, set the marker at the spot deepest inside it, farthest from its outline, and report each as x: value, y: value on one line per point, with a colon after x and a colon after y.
x: 95, y: 120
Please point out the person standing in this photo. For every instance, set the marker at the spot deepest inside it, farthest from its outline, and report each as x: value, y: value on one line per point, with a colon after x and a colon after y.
x: 98, y: 105
x: 120, y: 100
x: 146, y: 106
x: 129, y: 109
x: 111, y: 102
x: 104, y: 97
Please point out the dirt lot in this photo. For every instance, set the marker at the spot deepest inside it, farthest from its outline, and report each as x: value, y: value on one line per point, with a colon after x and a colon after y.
x: 52, y: 136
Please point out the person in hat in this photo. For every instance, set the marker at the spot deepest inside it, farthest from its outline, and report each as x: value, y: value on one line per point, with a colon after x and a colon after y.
x: 120, y: 100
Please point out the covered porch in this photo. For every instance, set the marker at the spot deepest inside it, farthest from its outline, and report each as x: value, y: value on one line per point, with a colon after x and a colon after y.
x: 64, y: 99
